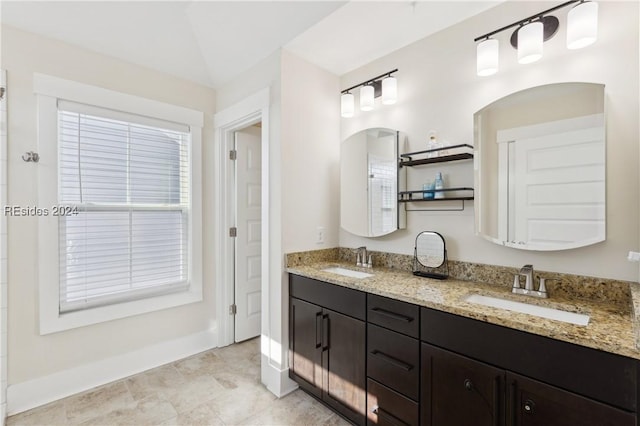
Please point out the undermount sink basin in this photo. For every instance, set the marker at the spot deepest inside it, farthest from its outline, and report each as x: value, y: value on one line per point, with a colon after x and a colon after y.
x: 525, y: 308
x: 347, y: 272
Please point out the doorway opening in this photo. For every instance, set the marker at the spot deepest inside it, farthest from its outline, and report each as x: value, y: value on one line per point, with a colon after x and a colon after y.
x: 246, y: 233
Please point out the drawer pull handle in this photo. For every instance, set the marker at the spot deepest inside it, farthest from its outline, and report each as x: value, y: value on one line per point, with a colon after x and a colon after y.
x: 392, y: 315
x: 468, y: 384
x: 390, y: 418
x: 318, y: 329
x: 392, y: 360
x: 326, y: 336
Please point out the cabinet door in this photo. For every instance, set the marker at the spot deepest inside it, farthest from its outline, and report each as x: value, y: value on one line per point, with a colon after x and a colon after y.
x: 459, y: 391
x: 343, y: 359
x: 533, y: 403
x: 305, y: 345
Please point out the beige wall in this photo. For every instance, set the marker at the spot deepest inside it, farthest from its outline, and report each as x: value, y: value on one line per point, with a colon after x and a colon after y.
x: 303, y: 179
x: 310, y: 164
x: 438, y: 89
x: 32, y: 356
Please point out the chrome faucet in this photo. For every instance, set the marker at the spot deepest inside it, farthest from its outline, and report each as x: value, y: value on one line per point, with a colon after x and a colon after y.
x: 528, y: 290
x: 361, y: 256
x: 527, y: 271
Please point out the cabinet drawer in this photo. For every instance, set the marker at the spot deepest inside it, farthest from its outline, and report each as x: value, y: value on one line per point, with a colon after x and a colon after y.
x: 387, y: 407
x: 395, y: 315
x: 393, y: 360
x: 340, y: 299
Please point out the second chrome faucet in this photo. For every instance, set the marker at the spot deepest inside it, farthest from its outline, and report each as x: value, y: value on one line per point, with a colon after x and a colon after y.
x: 362, y: 259
x: 528, y: 289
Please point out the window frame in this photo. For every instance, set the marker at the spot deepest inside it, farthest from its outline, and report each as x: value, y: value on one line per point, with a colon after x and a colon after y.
x: 49, y: 90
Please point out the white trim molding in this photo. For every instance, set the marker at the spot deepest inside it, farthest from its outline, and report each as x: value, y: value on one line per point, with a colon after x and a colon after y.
x: 34, y: 393
x: 251, y: 110
x: 49, y: 91
x: 60, y: 88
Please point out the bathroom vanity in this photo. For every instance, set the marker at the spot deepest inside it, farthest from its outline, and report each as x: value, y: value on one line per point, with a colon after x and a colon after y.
x: 401, y: 350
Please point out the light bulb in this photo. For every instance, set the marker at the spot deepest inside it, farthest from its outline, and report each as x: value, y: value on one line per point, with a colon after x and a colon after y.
x: 366, y: 98
x: 582, y: 25
x: 389, y: 91
x: 530, y: 38
x: 487, y: 57
x: 347, y: 105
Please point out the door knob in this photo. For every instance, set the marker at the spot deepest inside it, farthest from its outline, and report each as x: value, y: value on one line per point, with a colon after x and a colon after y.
x: 468, y: 384
x: 529, y: 405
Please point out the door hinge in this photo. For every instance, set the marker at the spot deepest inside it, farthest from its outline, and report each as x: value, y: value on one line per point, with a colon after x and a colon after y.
x: 233, y: 154
x: 233, y: 309
x: 233, y: 231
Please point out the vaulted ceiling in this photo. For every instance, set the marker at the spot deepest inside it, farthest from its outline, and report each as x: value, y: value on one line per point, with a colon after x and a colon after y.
x: 209, y: 42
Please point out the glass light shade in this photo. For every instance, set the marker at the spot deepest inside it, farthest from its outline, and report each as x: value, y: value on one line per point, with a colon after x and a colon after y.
x: 582, y: 25
x: 389, y: 91
x: 530, y: 42
x: 347, y: 105
x: 487, y: 57
x: 366, y: 98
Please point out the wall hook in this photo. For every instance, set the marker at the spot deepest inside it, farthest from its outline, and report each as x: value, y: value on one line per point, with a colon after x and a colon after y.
x: 31, y: 156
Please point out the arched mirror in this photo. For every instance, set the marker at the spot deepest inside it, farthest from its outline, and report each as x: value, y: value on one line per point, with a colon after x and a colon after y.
x: 430, y: 256
x: 540, y: 168
x: 369, y: 183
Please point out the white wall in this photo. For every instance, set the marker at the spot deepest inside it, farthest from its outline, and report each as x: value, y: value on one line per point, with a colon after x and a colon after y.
x: 31, y: 356
x: 303, y: 179
x: 310, y: 165
x: 310, y: 154
x: 3, y: 251
x: 438, y: 89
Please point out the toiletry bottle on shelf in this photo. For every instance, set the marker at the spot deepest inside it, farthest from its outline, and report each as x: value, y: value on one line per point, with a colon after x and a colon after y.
x: 439, y: 184
x: 432, y: 143
x: 427, y: 189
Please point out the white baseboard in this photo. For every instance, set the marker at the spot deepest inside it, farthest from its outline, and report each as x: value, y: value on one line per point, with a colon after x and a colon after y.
x: 275, y: 379
x: 34, y: 393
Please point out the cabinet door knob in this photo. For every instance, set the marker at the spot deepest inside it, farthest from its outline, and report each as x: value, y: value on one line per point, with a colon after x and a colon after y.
x: 529, y: 405
x: 468, y: 384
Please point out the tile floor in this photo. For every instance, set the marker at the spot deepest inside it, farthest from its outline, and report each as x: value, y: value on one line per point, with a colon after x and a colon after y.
x: 216, y: 387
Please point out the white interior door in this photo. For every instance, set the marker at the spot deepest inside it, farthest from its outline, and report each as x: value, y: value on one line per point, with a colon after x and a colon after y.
x: 248, y: 275
x: 559, y: 187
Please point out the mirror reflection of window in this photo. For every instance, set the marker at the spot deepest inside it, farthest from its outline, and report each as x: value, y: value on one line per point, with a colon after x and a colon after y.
x: 369, y: 179
x: 382, y: 195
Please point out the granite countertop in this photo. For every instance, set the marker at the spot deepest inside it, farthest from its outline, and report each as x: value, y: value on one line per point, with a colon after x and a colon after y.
x: 612, y: 326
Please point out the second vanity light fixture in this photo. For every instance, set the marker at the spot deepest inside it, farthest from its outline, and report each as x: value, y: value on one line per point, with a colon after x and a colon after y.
x: 385, y: 85
x: 532, y: 32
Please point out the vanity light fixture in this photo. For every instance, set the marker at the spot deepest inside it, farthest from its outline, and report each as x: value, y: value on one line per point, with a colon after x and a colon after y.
x: 347, y: 105
x: 530, y: 39
x: 389, y: 90
x: 385, y: 85
x: 582, y: 25
x: 532, y: 32
x: 367, y: 97
x: 488, y: 58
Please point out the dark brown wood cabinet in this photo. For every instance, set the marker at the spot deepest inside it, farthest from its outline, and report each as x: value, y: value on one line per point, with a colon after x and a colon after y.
x: 327, y: 347
x: 387, y: 362
x: 393, y: 362
x: 343, y: 361
x: 460, y: 391
x: 305, y: 355
x: 532, y: 403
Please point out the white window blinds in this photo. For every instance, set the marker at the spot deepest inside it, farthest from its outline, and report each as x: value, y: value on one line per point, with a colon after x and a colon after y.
x: 126, y: 182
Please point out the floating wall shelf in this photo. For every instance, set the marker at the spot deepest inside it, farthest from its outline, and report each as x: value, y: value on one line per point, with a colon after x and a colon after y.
x: 419, y: 158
